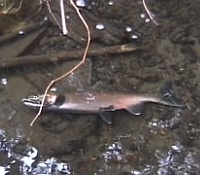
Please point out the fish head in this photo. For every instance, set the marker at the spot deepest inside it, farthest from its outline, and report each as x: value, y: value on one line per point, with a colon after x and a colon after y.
x: 35, y: 101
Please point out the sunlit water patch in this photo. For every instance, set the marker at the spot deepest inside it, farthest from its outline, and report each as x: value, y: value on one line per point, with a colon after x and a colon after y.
x: 3, y: 83
x: 178, y: 160
x: 51, y: 166
x: 156, y: 124
x: 26, y: 159
x: 125, y: 160
x: 115, y: 153
x: 80, y: 3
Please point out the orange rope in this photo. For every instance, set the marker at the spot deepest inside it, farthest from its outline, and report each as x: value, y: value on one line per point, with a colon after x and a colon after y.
x: 74, y: 68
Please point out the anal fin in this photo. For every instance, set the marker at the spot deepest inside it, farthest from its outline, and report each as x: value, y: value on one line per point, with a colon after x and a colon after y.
x: 106, y: 114
x: 136, y: 109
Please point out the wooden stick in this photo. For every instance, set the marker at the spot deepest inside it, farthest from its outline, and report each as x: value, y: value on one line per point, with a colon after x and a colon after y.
x: 64, y: 56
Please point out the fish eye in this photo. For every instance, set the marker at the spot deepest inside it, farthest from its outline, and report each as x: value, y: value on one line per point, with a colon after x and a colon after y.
x: 34, y: 97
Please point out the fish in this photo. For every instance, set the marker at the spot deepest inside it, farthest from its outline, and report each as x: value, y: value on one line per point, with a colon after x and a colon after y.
x: 102, y: 103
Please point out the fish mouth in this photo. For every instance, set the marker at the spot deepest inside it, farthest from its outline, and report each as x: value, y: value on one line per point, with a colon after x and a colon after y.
x: 33, y: 101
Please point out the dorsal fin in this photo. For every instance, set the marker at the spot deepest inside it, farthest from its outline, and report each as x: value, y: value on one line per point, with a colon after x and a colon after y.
x: 60, y: 100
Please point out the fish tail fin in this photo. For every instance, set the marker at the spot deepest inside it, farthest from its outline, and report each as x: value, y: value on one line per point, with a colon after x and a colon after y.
x: 168, y: 96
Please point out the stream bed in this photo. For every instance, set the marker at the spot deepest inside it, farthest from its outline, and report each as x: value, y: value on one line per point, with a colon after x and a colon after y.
x: 163, y: 140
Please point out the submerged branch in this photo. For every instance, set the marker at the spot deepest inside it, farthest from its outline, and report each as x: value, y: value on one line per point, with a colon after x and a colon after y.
x: 64, y: 56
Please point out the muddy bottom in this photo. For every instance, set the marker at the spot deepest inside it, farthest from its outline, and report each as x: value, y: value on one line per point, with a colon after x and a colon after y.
x: 162, y: 140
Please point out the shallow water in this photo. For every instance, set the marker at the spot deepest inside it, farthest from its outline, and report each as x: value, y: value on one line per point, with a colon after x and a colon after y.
x: 163, y: 140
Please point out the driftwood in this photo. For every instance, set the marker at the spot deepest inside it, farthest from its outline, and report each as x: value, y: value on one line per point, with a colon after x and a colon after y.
x: 63, y: 56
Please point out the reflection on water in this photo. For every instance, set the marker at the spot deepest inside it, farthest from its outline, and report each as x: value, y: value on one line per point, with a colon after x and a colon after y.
x: 28, y: 160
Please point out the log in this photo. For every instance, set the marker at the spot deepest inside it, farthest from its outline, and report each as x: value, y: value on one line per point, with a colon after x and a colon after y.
x: 64, y: 56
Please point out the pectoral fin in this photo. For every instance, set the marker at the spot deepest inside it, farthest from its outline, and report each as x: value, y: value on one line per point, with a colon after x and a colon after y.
x: 107, y: 114
x: 136, y: 109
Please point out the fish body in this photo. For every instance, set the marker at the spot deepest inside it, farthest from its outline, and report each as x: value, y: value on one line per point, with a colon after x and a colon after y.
x: 102, y: 103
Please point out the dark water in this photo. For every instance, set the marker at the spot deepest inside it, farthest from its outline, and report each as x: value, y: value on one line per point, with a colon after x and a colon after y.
x: 163, y: 140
